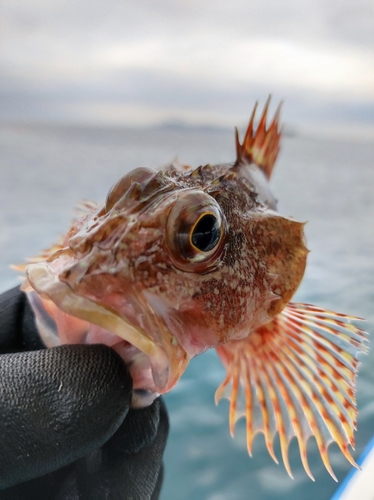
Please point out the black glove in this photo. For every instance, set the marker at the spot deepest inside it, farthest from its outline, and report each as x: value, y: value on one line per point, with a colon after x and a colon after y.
x: 66, y: 430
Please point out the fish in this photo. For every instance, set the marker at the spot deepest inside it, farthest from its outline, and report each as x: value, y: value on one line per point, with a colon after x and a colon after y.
x: 179, y: 260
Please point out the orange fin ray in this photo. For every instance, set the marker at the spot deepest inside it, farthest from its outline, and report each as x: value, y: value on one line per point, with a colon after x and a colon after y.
x: 269, y: 426
x: 296, y: 376
x: 248, y: 408
x: 233, y: 399
x: 261, y: 146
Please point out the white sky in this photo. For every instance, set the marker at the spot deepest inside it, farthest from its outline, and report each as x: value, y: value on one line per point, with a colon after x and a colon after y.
x: 138, y: 62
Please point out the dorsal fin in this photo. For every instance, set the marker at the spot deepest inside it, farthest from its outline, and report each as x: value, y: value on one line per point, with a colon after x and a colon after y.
x: 260, y: 147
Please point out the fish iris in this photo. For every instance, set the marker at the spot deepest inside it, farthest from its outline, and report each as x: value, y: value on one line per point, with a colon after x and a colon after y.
x: 206, y: 233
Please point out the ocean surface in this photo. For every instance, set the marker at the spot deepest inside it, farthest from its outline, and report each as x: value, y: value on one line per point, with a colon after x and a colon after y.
x: 45, y: 170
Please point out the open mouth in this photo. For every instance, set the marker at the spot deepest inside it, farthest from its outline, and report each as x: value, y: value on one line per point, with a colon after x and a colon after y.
x: 63, y: 317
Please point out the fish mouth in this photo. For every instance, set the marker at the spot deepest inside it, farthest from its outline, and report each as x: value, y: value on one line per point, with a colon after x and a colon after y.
x: 167, y: 362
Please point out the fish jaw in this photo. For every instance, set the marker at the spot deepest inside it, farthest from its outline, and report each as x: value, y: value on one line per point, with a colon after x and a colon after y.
x: 165, y: 360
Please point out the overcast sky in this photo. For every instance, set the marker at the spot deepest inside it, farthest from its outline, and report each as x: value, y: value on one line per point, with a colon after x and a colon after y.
x: 142, y: 62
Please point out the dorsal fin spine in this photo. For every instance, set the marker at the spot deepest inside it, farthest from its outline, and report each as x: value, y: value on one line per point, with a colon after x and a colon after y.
x: 261, y: 146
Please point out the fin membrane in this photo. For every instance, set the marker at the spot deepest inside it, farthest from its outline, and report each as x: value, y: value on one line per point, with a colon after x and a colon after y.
x: 296, y: 376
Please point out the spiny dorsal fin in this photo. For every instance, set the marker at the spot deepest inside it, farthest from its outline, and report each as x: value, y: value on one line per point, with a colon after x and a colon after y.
x: 260, y: 147
x: 296, y: 375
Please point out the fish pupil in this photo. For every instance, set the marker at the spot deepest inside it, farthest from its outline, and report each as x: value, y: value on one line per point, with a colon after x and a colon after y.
x: 206, y: 233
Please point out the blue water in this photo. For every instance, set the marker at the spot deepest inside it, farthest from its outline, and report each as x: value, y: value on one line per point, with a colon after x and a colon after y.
x: 44, y: 171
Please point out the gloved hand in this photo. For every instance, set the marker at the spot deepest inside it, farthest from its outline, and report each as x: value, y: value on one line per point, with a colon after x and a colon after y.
x: 66, y: 427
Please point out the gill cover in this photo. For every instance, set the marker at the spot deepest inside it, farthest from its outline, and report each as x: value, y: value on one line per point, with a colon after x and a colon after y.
x: 279, y: 246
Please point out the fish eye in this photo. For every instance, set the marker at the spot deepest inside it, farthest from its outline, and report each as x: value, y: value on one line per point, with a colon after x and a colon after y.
x: 195, y: 231
x: 206, y: 233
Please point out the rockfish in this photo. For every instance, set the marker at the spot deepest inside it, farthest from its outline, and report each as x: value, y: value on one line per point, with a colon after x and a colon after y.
x: 181, y: 260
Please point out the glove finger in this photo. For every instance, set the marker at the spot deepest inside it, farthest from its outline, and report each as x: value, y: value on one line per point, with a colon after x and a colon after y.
x: 123, y: 472
x: 138, y: 430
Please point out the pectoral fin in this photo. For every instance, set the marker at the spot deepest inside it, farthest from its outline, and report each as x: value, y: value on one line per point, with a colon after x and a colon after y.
x: 296, y: 375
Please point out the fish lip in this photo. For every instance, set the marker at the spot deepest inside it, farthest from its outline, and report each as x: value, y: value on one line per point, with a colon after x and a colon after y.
x: 47, y: 285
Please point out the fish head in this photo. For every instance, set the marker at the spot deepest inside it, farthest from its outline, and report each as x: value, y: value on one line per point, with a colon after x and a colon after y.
x: 176, y: 262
